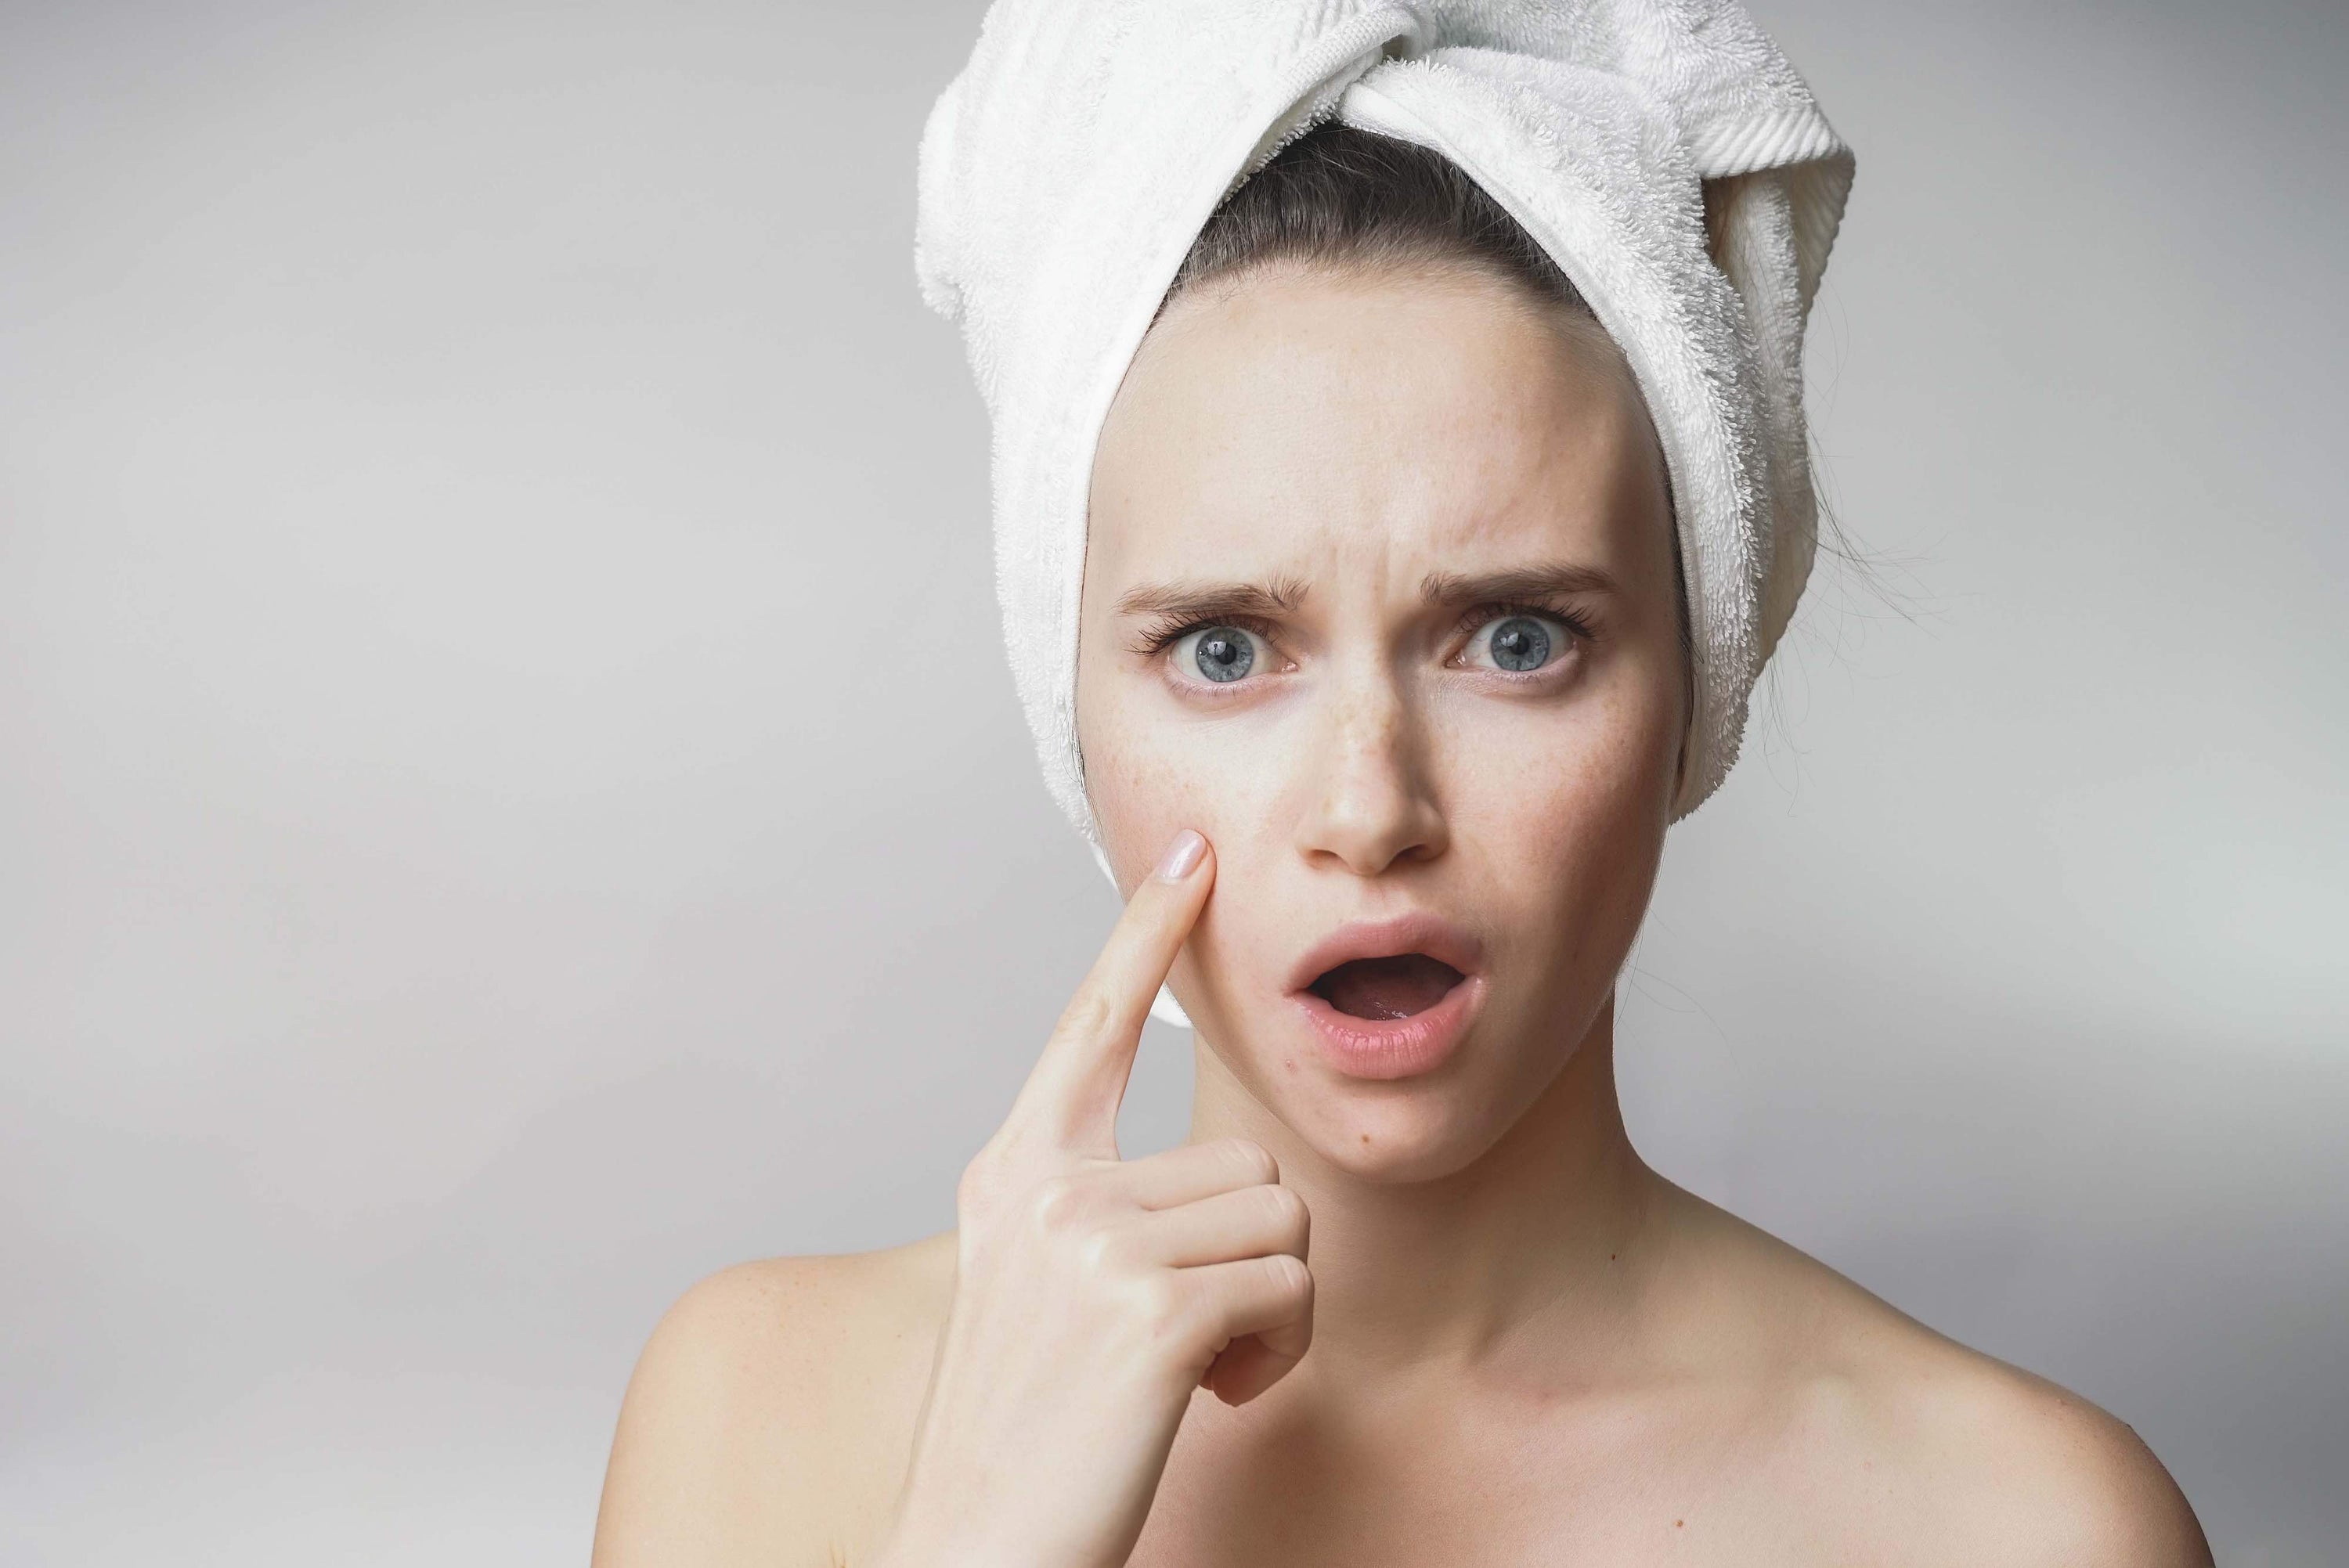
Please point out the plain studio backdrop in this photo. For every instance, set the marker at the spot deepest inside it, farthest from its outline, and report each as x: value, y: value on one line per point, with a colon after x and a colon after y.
x: 512, y: 799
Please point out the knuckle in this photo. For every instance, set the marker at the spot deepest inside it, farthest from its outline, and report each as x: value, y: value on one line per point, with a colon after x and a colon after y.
x: 1159, y: 1306
x: 1087, y: 1016
x: 1001, y: 1164
x: 1289, y: 1278
x: 1250, y: 1160
x: 1099, y: 1253
x: 1056, y: 1204
x: 1284, y: 1210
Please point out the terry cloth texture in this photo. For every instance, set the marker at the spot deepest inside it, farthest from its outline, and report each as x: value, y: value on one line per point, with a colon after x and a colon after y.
x: 1662, y: 152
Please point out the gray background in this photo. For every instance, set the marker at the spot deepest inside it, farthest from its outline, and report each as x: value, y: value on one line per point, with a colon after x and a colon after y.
x: 513, y: 801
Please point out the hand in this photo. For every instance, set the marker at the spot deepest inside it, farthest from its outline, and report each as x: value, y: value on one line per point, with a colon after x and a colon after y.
x: 1092, y: 1295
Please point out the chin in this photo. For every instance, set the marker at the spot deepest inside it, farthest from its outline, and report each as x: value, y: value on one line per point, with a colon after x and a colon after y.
x: 1397, y: 1139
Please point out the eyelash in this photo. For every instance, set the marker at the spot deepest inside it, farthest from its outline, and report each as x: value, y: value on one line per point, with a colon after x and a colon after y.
x: 1154, y: 640
x: 1485, y: 614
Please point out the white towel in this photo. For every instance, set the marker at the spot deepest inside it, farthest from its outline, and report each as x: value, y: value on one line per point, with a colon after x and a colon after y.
x: 1662, y: 152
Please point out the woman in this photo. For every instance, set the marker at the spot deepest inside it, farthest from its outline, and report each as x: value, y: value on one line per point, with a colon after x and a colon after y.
x: 1417, y: 586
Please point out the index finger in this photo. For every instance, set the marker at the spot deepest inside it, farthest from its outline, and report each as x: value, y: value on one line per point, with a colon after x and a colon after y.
x: 1075, y: 1087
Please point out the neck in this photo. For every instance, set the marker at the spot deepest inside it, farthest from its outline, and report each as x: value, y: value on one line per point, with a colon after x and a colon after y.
x: 1537, y: 1241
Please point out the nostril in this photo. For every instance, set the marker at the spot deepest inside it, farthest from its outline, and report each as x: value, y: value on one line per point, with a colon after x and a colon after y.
x: 1370, y: 832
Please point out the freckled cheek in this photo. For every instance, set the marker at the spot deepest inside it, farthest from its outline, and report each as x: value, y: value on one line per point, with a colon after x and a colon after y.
x: 1564, y: 821
x: 1152, y: 776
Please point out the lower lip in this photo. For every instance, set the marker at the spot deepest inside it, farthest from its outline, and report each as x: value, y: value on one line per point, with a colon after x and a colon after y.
x: 1393, y: 1047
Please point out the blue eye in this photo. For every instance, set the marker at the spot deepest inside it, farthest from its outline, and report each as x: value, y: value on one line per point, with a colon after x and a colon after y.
x: 1516, y: 642
x: 1220, y: 653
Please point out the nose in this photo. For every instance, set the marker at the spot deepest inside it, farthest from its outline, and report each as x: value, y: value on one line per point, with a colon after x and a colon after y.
x: 1372, y: 803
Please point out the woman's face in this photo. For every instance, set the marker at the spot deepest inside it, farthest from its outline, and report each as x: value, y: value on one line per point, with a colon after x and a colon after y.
x: 1379, y: 596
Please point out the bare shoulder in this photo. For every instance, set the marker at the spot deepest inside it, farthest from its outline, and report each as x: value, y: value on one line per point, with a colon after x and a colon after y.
x: 1934, y: 1451
x: 2015, y: 1468
x: 769, y: 1417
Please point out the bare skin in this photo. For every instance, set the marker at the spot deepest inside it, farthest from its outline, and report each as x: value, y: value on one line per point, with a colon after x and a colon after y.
x: 1373, y: 1311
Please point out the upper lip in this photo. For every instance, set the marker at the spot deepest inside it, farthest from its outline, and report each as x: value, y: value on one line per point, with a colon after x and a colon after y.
x: 1418, y: 931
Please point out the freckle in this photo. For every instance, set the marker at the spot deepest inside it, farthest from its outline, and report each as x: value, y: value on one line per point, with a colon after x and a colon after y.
x: 1366, y: 1138
x: 1679, y: 1523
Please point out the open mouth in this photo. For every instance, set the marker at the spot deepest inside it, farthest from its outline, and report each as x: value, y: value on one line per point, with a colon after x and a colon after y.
x: 1399, y: 986
x: 1392, y: 998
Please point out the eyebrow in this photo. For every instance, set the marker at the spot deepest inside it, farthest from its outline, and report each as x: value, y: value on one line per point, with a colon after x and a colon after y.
x: 1521, y: 582
x: 1282, y: 595
x: 1204, y: 601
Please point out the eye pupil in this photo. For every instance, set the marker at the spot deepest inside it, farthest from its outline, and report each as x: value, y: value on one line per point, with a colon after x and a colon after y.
x: 1519, y: 643
x: 1224, y: 653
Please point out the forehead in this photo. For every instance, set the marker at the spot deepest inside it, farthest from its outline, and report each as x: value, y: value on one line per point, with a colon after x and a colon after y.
x: 1310, y: 422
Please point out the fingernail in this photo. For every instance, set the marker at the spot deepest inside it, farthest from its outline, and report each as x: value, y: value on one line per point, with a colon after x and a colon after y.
x: 1182, y: 856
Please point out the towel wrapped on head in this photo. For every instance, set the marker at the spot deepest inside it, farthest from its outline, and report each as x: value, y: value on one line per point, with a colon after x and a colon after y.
x: 1662, y: 152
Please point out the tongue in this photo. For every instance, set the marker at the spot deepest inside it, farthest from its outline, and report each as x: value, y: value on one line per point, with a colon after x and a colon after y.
x: 1387, y: 987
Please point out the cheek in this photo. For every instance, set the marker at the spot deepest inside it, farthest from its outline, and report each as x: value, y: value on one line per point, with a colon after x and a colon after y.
x: 1151, y: 774
x: 1139, y: 803
x: 1564, y: 818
